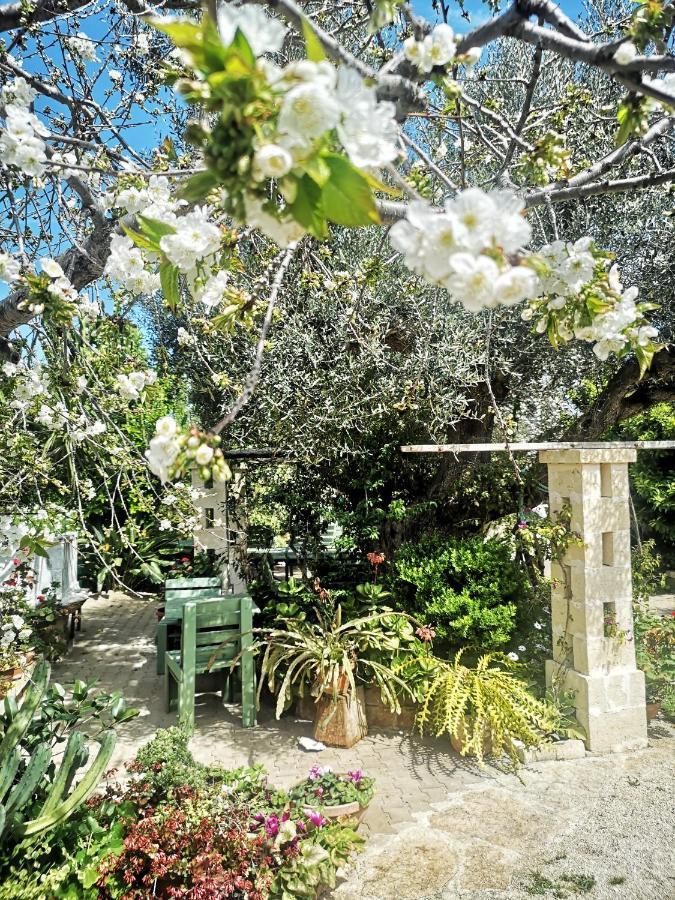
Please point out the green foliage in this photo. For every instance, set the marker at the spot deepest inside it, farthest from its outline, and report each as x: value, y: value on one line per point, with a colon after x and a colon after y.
x: 655, y: 652
x: 323, y: 787
x: 467, y: 589
x: 36, y: 787
x: 653, y: 475
x: 325, y: 656
x: 486, y: 707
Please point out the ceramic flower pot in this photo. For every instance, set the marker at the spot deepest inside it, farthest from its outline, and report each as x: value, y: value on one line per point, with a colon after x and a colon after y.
x: 340, y: 722
x: 653, y: 709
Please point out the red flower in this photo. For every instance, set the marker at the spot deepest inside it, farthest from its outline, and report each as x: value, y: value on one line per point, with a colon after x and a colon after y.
x: 376, y: 559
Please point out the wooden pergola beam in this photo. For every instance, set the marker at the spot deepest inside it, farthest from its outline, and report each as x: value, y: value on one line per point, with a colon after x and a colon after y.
x: 547, y: 445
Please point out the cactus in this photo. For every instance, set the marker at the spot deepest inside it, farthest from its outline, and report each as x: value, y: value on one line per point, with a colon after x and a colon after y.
x: 16, y: 797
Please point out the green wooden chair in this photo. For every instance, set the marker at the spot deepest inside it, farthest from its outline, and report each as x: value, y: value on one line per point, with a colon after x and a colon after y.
x: 178, y: 592
x: 209, y: 626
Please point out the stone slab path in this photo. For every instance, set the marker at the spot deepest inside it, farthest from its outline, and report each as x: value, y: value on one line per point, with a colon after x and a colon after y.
x: 440, y: 827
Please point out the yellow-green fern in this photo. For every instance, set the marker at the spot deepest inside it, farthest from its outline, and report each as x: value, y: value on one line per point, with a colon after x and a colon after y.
x: 487, y: 706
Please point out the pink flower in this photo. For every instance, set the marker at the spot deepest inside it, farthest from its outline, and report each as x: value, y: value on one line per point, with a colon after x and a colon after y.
x: 425, y: 633
x: 315, y: 818
x: 355, y: 776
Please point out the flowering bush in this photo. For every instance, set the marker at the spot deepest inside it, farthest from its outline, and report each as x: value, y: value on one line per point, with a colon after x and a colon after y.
x: 191, y: 830
x: 323, y: 787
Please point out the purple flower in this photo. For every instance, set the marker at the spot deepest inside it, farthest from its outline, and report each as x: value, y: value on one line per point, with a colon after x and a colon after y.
x: 315, y: 773
x: 355, y: 776
x: 315, y: 818
x: 272, y: 826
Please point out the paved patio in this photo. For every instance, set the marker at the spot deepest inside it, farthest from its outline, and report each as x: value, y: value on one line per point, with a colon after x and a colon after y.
x: 439, y: 827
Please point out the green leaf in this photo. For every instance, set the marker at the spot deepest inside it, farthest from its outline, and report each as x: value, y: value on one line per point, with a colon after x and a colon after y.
x: 168, y: 277
x: 198, y: 186
x: 243, y: 48
x: 153, y: 228
x: 307, y: 208
x: 347, y: 197
x: 315, y: 51
x: 140, y: 240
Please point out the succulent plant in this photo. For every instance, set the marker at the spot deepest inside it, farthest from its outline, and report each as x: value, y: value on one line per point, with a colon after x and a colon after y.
x: 61, y: 799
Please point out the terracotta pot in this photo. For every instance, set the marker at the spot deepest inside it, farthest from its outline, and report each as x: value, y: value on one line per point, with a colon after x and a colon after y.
x: 653, y: 709
x: 341, y: 722
x: 457, y: 742
x: 11, y: 674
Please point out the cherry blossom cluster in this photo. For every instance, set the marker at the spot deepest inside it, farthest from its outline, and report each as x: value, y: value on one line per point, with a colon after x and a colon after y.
x: 21, y: 143
x: 50, y: 292
x: 32, y: 397
x: 174, y: 452
x: 469, y: 246
x: 132, y: 385
x: 437, y: 49
x: 286, y: 157
x: 189, y: 241
x: 582, y: 297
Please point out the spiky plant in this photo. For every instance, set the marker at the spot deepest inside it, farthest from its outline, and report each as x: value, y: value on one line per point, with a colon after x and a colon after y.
x: 486, y: 707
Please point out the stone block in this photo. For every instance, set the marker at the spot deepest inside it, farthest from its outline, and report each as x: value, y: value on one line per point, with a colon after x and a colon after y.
x: 617, y: 731
x: 555, y: 751
x: 605, y: 514
x: 588, y: 455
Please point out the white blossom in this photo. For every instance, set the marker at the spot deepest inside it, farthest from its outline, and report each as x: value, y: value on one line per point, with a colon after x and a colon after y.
x: 10, y: 268
x: 271, y: 161
x: 367, y: 128
x: 211, y: 294
x: 20, y: 143
x: 18, y: 92
x: 195, y: 238
x: 264, y: 34
x: 625, y: 54
x: 125, y: 264
x: 284, y: 231
x: 82, y: 47
x: 308, y: 110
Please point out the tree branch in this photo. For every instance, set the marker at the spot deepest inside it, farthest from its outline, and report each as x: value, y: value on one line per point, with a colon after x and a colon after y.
x: 626, y: 396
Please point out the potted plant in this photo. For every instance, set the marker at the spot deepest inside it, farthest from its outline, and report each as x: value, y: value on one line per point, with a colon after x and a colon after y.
x: 484, y: 709
x: 331, y: 660
x: 336, y: 796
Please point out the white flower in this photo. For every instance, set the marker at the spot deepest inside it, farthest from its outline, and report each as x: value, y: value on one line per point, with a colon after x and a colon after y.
x: 114, y: 75
x: 367, y: 128
x: 538, y: 626
x: 52, y: 268
x: 442, y: 45
x: 513, y: 656
x: 82, y: 47
x: 264, y: 34
x: 195, y: 238
x: 625, y: 54
x: 18, y: 92
x: 161, y: 455
x: 169, y: 500
x: 204, y: 455
x: 10, y: 268
x: 164, y: 525
x: 522, y: 648
x: 283, y: 231
x: 518, y: 283
x: 20, y: 145
x: 184, y: 338
x: 17, y: 621
x: 166, y: 426
x: 126, y: 265
x: 472, y: 280
x: 24, y: 634
x: 472, y: 55
x: 307, y: 111
x: 271, y: 161
x: 211, y: 294
x: 477, y: 212
x: 10, y: 369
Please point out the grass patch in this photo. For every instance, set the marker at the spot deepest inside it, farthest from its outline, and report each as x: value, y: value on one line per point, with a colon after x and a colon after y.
x: 563, y: 885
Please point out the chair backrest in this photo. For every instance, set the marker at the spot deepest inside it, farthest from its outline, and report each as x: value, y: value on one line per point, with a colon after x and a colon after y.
x: 221, y: 626
x: 179, y: 591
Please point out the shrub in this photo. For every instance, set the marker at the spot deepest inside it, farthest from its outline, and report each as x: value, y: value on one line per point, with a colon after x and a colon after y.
x: 487, y: 706
x: 467, y: 589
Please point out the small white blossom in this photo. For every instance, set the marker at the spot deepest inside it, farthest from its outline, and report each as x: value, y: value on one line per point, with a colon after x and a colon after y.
x: 625, y: 54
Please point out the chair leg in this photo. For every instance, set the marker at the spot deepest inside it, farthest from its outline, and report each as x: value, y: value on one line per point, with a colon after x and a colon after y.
x: 248, y: 704
x: 186, y: 700
x: 161, y: 646
x: 169, y: 692
x: 227, y: 686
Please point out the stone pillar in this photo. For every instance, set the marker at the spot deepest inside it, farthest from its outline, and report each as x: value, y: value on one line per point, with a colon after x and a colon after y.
x: 591, y: 598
